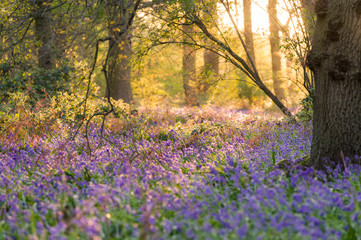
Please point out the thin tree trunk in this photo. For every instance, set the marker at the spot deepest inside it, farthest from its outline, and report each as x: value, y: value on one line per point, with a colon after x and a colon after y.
x: 248, y: 32
x: 189, y: 68
x: 275, y: 50
x: 44, y: 34
x: 61, y: 38
x: 336, y: 62
x: 119, y: 69
x: 211, y: 68
x: 2, y: 42
x: 210, y: 57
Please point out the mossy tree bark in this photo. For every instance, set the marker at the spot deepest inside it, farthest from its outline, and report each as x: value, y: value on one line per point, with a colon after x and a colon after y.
x: 336, y: 61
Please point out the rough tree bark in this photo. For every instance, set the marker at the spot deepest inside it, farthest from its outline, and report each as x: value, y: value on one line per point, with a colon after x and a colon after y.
x: 119, y: 69
x: 248, y: 32
x: 275, y: 50
x: 335, y: 59
x: 189, y: 67
x: 44, y: 35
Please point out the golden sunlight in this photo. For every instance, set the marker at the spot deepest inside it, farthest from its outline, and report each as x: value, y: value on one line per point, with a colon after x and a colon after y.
x: 260, y: 18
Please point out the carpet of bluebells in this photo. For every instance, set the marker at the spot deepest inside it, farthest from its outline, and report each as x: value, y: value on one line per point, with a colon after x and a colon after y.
x: 175, y: 174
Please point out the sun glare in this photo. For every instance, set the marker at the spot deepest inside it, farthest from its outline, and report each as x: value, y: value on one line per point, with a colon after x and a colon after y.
x: 260, y: 18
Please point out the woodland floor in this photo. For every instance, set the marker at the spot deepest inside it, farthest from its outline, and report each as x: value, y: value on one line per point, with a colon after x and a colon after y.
x: 177, y: 174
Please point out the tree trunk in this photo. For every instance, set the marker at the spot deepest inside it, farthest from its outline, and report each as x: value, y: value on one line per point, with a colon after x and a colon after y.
x: 336, y: 62
x: 189, y: 68
x: 61, y: 36
x: 210, y: 57
x: 211, y: 62
x: 275, y: 50
x: 119, y: 69
x: 248, y: 32
x: 308, y: 14
x: 44, y: 34
x: 2, y: 42
x: 211, y: 69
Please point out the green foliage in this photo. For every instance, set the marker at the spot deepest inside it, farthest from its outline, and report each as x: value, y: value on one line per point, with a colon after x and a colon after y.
x: 39, y: 83
x: 306, y: 112
x: 250, y: 93
x: 20, y: 117
x: 159, y: 78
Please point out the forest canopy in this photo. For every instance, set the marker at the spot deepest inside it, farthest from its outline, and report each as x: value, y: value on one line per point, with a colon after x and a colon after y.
x: 143, y: 47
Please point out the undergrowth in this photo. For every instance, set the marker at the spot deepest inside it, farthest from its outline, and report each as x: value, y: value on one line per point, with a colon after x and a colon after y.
x: 169, y: 174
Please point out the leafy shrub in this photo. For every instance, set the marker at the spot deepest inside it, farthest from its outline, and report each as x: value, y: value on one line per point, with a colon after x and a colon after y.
x: 306, y: 112
x: 39, y: 83
x: 251, y: 93
x: 20, y: 118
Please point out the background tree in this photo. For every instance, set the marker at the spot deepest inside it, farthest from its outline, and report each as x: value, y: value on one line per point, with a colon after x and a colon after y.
x: 210, y: 57
x: 298, y: 45
x: 119, y: 69
x: 246, y: 90
x: 275, y: 50
x: 29, y: 38
x: 89, y: 21
x: 64, y: 33
x: 248, y: 31
x: 44, y: 34
x: 171, y: 15
x: 335, y: 60
x: 189, y: 66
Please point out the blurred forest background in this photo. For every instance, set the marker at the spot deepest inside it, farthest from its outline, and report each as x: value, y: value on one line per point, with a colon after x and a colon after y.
x: 238, y: 54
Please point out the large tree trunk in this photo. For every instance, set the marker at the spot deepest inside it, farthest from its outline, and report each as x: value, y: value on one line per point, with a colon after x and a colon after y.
x: 248, y: 32
x: 119, y: 69
x: 275, y: 50
x: 189, y: 68
x: 336, y: 62
x: 44, y: 34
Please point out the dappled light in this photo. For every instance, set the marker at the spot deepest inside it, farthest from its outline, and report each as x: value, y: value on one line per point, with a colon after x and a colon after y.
x: 180, y: 119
